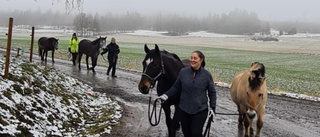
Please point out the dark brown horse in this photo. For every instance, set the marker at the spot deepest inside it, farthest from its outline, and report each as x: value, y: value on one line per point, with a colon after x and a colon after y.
x: 162, y: 67
x: 90, y: 49
x: 249, y: 92
x: 46, y: 44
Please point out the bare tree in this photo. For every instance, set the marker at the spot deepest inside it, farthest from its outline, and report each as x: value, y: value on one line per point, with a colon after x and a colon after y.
x: 71, y: 5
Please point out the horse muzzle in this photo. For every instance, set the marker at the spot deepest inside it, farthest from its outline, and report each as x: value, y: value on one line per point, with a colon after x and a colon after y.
x: 251, y: 114
x: 144, y: 89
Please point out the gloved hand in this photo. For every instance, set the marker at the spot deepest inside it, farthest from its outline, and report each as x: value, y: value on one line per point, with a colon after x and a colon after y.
x: 163, y: 97
x: 214, y: 110
x: 69, y: 50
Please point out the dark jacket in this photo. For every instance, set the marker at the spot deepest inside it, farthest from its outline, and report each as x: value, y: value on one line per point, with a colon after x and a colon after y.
x: 113, y: 50
x: 194, y: 90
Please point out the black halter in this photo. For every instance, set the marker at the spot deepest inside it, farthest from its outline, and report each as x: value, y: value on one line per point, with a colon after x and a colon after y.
x: 153, y: 79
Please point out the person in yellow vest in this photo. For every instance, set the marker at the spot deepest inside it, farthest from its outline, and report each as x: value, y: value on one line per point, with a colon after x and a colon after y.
x: 73, y: 47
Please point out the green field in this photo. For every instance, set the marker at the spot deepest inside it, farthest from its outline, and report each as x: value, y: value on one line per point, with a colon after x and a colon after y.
x: 295, y: 73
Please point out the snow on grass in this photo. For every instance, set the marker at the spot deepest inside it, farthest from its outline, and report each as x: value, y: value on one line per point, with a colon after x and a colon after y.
x: 190, y: 34
x: 38, y: 101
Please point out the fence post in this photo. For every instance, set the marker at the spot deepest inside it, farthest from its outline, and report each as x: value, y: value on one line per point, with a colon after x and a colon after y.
x: 32, y: 39
x: 6, y: 71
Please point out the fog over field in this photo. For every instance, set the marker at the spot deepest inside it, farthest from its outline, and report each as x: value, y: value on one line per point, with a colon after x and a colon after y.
x: 270, y: 10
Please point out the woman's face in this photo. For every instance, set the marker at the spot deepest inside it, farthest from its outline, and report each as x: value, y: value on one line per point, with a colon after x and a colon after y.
x: 195, y: 61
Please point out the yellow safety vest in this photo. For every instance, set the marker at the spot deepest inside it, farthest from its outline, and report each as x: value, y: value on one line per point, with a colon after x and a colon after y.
x: 73, y: 45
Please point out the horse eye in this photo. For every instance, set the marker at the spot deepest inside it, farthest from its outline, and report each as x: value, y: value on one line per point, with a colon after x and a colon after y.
x: 260, y: 95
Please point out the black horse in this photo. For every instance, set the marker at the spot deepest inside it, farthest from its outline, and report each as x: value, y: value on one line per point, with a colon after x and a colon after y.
x: 90, y: 49
x: 44, y: 45
x: 162, y: 67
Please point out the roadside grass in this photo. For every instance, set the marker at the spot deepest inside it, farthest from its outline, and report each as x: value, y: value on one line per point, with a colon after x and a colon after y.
x: 294, y: 73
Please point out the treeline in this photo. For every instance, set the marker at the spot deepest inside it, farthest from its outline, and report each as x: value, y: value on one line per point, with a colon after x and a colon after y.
x: 36, y: 17
x: 235, y: 22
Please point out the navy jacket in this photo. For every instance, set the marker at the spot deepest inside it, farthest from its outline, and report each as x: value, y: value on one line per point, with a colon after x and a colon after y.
x: 113, y: 50
x: 194, y: 91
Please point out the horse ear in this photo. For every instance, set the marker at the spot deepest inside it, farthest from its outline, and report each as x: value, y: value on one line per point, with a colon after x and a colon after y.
x: 146, y: 49
x: 156, y: 48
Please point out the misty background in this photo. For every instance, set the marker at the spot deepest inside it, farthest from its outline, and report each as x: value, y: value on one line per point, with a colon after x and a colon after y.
x: 177, y: 17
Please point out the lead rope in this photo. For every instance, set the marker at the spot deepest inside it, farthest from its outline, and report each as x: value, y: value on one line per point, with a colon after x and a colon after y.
x: 153, y: 113
x: 207, y: 130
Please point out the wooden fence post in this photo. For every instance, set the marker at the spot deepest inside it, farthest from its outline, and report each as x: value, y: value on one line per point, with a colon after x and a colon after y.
x: 32, y: 39
x: 6, y: 71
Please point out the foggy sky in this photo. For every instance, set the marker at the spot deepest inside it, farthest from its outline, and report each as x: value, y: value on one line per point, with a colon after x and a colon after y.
x: 269, y: 10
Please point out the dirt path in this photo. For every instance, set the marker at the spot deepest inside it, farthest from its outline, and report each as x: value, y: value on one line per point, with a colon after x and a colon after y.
x: 284, y: 116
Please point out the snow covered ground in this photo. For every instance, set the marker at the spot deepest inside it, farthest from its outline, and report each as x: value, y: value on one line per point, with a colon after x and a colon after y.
x: 38, y: 101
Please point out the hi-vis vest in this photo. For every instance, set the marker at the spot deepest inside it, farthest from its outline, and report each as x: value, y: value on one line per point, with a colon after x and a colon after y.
x: 73, y: 45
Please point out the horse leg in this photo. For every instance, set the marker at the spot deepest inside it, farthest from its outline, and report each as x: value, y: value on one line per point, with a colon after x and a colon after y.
x: 259, y: 122
x: 79, y: 60
x: 246, y: 125
x: 94, y: 63
x: 167, y: 112
x: 87, y: 57
x: 176, y: 118
x: 46, y: 54
x: 240, y: 119
x: 250, y: 127
x: 43, y: 54
x: 52, y: 56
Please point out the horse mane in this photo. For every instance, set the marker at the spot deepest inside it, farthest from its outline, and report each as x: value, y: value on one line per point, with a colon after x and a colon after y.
x: 172, y: 55
x: 257, y: 77
x: 96, y: 41
x: 52, y: 39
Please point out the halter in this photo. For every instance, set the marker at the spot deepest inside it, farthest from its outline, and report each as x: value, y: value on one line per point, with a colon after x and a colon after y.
x: 153, y: 79
x: 253, y: 108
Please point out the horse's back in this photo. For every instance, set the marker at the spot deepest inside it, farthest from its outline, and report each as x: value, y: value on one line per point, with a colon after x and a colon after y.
x: 42, y: 41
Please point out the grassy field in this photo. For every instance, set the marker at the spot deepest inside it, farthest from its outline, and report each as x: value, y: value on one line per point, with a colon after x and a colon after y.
x: 290, y: 72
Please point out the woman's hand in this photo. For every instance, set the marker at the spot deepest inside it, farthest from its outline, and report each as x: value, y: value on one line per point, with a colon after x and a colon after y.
x: 163, y: 97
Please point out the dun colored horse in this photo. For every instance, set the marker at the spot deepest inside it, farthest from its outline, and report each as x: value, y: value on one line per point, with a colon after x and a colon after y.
x: 44, y: 45
x: 162, y: 67
x: 249, y: 93
x: 90, y: 49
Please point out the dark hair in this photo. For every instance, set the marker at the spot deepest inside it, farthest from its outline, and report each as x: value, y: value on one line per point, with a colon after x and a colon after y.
x: 201, y: 56
x: 74, y: 34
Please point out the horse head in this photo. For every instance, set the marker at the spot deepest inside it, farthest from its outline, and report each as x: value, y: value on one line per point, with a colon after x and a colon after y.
x: 256, y: 92
x: 56, y: 44
x: 102, y: 41
x: 153, y: 68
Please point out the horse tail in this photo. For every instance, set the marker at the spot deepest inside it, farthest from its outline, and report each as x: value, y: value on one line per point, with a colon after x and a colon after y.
x: 78, y: 59
x: 40, y: 51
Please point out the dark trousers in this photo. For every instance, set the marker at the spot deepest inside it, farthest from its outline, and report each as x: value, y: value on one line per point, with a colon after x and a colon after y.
x: 112, y: 65
x: 192, y: 124
x: 74, y: 58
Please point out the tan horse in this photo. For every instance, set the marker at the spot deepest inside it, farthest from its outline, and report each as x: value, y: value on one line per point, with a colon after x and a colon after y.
x: 249, y: 92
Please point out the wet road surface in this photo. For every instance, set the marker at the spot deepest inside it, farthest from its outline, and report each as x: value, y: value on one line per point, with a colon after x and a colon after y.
x: 285, y: 117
